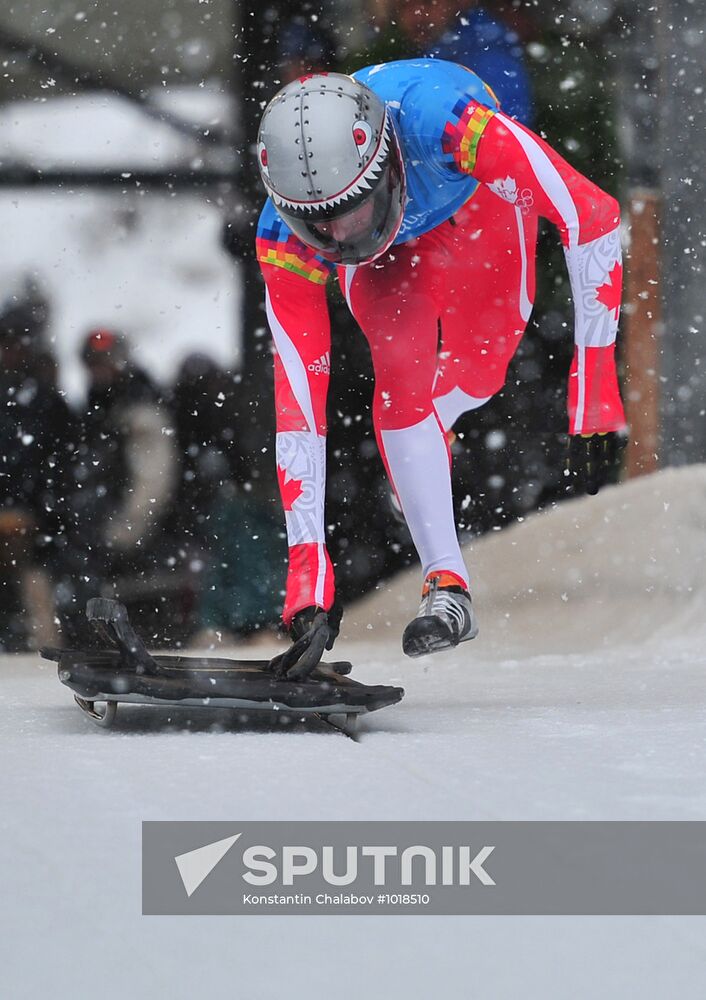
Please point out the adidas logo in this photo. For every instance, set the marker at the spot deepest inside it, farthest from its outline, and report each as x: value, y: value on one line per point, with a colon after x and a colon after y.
x: 322, y: 366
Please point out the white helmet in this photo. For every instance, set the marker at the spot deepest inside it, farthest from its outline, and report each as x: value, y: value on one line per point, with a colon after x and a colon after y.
x: 330, y: 160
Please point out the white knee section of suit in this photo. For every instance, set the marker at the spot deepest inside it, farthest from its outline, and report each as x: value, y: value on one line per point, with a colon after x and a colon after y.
x: 418, y: 461
x: 452, y: 404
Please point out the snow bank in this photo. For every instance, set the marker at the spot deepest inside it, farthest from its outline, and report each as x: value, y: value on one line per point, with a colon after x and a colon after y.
x: 100, y: 130
x: 147, y: 262
x: 621, y: 567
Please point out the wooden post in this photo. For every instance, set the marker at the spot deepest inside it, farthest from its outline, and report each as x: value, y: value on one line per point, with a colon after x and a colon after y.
x: 642, y: 330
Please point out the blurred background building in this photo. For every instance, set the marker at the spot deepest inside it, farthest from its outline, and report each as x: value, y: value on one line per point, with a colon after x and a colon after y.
x: 137, y: 424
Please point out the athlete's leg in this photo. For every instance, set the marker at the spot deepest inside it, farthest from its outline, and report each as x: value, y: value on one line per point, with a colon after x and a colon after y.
x: 393, y: 303
x: 485, y: 296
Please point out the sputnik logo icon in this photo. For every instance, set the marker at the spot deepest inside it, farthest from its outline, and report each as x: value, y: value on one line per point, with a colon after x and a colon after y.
x: 197, y: 865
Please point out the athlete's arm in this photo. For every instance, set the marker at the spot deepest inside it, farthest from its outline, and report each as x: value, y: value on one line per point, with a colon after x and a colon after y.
x: 297, y: 313
x: 524, y: 170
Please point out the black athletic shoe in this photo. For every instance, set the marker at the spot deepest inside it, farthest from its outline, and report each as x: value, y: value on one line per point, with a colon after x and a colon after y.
x: 444, y: 619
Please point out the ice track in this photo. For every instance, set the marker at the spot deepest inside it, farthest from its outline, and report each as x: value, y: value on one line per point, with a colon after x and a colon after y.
x: 587, y: 702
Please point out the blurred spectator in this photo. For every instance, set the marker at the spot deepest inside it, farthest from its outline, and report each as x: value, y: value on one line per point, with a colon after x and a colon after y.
x: 488, y: 46
x: 24, y: 312
x: 244, y: 582
x: 233, y: 540
x: 304, y: 46
x: 37, y: 437
x: 472, y: 36
x: 204, y: 413
x: 127, y: 438
x: 124, y: 474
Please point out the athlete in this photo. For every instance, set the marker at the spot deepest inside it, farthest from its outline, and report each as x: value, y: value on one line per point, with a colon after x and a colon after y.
x: 409, y: 182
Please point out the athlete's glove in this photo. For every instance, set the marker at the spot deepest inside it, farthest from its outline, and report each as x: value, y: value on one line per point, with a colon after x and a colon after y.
x: 312, y: 630
x: 593, y: 460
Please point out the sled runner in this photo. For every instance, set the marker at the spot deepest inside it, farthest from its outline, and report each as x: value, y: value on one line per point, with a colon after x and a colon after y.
x: 124, y: 671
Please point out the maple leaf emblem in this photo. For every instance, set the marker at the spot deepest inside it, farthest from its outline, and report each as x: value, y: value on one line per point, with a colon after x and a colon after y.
x: 608, y: 294
x: 290, y: 489
x: 506, y: 188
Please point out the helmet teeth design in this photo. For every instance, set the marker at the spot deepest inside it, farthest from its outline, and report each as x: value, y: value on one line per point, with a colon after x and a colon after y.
x: 371, y: 172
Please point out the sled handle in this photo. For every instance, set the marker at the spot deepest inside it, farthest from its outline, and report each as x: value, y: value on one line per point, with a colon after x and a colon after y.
x: 111, y: 620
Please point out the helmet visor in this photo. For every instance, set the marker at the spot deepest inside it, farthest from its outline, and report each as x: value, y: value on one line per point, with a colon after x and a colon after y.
x: 360, y: 234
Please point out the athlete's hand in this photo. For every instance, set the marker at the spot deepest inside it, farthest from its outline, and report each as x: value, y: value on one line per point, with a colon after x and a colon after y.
x: 594, y: 460
x: 312, y: 630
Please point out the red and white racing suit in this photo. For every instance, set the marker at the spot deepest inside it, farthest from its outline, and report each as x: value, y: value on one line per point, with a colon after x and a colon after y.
x: 472, y: 278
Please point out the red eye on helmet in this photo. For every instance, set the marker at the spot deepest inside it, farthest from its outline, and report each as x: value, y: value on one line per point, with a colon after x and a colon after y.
x: 362, y: 136
x: 262, y: 157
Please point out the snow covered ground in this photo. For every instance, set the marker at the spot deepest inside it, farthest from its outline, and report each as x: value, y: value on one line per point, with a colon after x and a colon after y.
x: 583, y: 698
